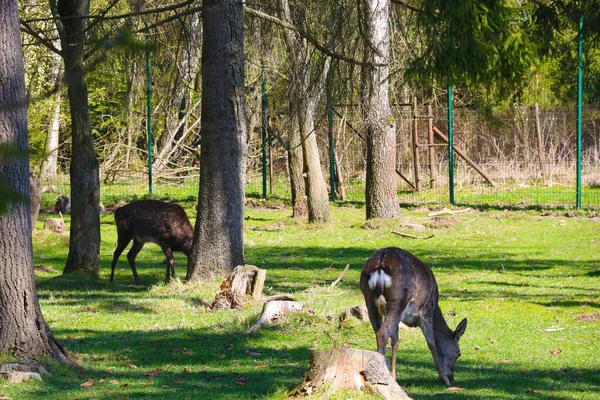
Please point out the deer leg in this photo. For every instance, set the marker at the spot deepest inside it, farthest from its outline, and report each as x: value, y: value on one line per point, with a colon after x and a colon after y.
x: 133, y: 252
x: 170, y: 263
x: 395, y: 341
x: 374, y: 316
x: 388, y: 330
x: 427, y: 328
x: 122, y: 242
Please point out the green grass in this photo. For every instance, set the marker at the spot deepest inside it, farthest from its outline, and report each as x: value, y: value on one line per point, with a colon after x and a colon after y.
x: 511, y: 273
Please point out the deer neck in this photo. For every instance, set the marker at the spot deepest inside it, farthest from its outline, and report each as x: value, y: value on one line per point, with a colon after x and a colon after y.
x: 440, y: 327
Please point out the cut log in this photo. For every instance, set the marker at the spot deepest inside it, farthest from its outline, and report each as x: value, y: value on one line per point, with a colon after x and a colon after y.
x: 414, y: 227
x: 349, y: 369
x: 245, y: 282
x: 276, y: 309
x: 17, y: 372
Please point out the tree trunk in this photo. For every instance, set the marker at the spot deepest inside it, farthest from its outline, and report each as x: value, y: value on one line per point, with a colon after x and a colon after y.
x: 84, y: 241
x: 133, y: 122
x: 219, y: 231
x: 183, y: 82
x: 296, y: 162
x: 316, y: 187
x: 50, y: 162
x: 349, y: 369
x: 307, y: 82
x: 381, y: 186
x: 23, y: 331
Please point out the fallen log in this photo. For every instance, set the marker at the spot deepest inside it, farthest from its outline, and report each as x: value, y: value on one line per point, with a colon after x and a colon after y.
x: 406, y: 235
x: 349, y: 369
x: 448, y: 211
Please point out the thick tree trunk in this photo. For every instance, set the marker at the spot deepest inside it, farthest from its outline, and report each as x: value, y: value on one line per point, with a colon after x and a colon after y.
x: 84, y: 241
x: 381, y: 186
x: 23, y: 331
x: 219, y: 231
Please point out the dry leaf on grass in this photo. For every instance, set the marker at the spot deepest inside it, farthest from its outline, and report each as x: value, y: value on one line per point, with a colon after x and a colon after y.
x: 556, y: 352
x: 113, y: 382
x: 241, y: 381
x: 532, y: 391
x: 454, y: 389
x: 132, y: 366
x: 87, y: 384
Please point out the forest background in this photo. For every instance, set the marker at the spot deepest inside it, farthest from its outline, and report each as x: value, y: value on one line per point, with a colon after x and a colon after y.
x: 513, y: 67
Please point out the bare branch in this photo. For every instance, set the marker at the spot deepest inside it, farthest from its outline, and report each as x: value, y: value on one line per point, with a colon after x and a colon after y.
x: 305, y: 35
x: 407, y: 6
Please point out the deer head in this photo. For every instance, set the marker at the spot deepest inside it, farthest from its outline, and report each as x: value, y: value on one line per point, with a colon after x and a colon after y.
x: 448, y: 349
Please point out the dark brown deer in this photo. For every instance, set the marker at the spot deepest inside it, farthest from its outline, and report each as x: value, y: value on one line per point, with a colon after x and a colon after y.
x: 401, y: 288
x: 153, y: 221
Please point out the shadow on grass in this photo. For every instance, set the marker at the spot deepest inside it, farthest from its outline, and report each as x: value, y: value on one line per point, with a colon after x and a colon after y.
x: 184, y: 363
x: 178, y: 363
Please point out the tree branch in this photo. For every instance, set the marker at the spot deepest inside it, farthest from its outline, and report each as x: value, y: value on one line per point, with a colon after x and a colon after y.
x: 306, y: 36
x: 407, y: 6
x: 26, y: 28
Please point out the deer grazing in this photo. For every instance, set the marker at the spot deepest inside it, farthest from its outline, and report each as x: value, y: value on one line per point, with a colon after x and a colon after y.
x: 400, y: 287
x: 153, y: 221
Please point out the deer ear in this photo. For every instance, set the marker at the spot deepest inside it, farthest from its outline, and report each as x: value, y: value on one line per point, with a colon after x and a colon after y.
x: 460, y: 329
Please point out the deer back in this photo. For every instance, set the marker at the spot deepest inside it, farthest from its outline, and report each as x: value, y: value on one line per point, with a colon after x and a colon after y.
x: 158, y: 222
x: 405, y: 282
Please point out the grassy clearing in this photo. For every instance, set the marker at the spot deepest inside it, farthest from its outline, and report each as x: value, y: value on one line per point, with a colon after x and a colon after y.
x: 512, y: 274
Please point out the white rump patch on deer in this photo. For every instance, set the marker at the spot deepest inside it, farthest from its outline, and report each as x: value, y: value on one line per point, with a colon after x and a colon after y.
x: 380, y: 279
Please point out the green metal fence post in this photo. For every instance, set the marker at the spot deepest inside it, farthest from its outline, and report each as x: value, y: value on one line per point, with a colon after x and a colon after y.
x: 450, y: 143
x: 149, y: 110
x: 330, y: 127
x: 579, y: 109
x: 264, y: 132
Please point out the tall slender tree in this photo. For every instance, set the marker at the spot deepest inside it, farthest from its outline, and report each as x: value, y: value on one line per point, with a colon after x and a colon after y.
x: 84, y: 242
x: 23, y: 330
x: 219, y: 230
x: 307, y: 83
x: 381, y: 187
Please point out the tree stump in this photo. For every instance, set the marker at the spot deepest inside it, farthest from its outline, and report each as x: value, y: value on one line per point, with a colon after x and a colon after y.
x: 350, y: 369
x: 55, y: 225
x: 246, y: 281
x: 275, y: 309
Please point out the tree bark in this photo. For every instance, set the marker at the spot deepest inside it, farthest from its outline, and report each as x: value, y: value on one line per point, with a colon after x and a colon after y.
x: 350, y: 369
x: 23, y: 330
x: 219, y: 231
x: 296, y: 162
x: 49, y: 165
x: 381, y: 186
x: 306, y: 86
x: 84, y: 241
x: 181, y: 103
